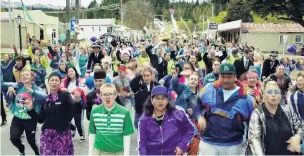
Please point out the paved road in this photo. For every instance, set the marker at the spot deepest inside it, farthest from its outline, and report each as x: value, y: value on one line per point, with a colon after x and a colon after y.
x: 7, y: 147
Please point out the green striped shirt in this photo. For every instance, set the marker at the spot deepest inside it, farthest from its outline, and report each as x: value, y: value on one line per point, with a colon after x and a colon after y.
x: 109, y: 127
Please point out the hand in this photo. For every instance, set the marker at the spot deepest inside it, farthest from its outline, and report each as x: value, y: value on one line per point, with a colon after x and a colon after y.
x: 64, y: 89
x: 294, y: 144
x: 250, y: 92
x: 11, y: 92
x: 178, y: 151
x: 189, y: 111
x: 186, y: 73
x: 162, y: 82
x: 202, y: 124
x: 29, y: 104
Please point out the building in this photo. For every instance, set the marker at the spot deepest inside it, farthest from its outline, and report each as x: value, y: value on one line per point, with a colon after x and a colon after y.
x: 266, y: 36
x: 96, y: 27
x: 10, y: 34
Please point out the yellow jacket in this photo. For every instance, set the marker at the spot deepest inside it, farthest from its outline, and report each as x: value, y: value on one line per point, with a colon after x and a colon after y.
x: 43, y: 59
x: 18, y: 72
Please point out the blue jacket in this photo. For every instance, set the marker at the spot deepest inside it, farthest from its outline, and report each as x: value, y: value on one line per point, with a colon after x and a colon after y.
x: 176, y: 131
x: 224, y: 119
x: 185, y: 98
x: 38, y: 96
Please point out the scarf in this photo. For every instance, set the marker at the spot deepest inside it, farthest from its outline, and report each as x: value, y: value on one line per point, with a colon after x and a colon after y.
x: 52, y: 97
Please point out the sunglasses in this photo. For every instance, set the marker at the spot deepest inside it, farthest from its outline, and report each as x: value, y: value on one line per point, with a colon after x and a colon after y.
x: 275, y: 92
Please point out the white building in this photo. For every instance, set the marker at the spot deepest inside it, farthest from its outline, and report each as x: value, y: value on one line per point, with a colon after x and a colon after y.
x: 96, y: 27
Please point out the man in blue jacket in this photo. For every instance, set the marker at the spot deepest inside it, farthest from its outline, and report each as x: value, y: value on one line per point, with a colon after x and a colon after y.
x: 224, y: 108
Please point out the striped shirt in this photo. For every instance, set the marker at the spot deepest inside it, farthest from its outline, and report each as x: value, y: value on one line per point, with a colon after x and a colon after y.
x: 109, y: 127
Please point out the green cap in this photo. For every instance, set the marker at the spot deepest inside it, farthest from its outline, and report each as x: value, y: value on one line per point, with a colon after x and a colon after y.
x: 227, y: 68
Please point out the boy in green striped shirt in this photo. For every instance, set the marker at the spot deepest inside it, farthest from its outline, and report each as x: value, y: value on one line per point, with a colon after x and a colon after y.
x: 110, y: 125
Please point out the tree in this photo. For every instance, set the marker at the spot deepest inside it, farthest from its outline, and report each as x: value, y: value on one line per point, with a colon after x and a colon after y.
x: 138, y: 13
x: 93, y: 4
x: 239, y: 11
x: 292, y: 10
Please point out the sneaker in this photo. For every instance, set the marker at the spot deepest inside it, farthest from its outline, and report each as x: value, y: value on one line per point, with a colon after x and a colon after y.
x: 82, y: 139
x: 4, y: 122
x: 21, y: 154
x: 73, y: 133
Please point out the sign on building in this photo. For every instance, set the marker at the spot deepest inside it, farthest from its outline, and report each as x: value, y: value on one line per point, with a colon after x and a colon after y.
x: 213, y: 26
x: 285, y: 39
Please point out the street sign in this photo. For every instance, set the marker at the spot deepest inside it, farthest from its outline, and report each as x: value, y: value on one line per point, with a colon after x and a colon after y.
x: 213, y: 26
x: 285, y: 37
x: 73, y: 23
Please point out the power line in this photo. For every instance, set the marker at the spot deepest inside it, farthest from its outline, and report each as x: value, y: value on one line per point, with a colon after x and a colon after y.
x: 107, y: 7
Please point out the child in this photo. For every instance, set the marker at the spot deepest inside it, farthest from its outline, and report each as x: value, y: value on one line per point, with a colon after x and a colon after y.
x: 111, y: 126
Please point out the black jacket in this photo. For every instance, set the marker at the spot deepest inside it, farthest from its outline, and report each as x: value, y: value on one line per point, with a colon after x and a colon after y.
x: 240, y: 67
x: 56, y: 115
x: 141, y: 92
x: 93, y: 60
x: 153, y: 57
x: 267, y: 69
x: 90, y: 102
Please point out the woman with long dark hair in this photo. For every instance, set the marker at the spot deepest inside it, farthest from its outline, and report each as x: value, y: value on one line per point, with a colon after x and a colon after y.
x: 163, y: 128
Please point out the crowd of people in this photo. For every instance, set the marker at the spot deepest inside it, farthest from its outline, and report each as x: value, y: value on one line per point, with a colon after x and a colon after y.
x: 197, y: 97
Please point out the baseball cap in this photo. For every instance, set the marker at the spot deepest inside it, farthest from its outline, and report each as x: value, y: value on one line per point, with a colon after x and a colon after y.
x: 227, y: 68
x: 159, y: 90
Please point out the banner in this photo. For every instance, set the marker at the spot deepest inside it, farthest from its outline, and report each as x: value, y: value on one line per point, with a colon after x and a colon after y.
x: 29, y: 16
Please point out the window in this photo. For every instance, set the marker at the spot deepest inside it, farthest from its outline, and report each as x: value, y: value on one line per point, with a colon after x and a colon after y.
x: 281, y: 39
x: 298, y: 39
x: 54, y: 33
x: 93, y: 29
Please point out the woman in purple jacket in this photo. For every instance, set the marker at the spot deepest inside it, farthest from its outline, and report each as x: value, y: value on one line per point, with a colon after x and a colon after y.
x: 163, y: 128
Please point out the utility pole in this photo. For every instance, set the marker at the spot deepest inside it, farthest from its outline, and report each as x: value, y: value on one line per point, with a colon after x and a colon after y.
x: 67, y: 21
x: 77, y: 17
x: 121, y: 13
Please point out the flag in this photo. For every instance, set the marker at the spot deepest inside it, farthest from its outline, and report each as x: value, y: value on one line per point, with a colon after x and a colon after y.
x: 28, y: 15
x: 174, y: 25
x: 194, y: 31
x: 145, y: 30
x: 159, y: 24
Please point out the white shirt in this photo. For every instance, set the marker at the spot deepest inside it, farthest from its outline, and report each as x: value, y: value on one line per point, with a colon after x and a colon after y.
x: 228, y: 93
x: 246, y: 60
x: 72, y: 86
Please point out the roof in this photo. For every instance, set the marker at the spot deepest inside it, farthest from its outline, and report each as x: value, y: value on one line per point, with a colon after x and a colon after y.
x: 230, y: 25
x: 273, y: 28
x: 37, y: 15
x: 107, y: 21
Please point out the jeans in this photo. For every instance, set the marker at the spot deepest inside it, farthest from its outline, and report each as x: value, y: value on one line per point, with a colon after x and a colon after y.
x: 136, y: 119
x: 209, y: 149
x: 16, y: 130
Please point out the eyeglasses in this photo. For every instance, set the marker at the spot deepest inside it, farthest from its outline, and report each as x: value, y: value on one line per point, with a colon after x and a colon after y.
x: 275, y: 92
x: 107, y: 95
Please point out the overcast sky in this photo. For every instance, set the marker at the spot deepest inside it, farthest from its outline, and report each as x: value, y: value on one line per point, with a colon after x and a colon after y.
x: 84, y: 3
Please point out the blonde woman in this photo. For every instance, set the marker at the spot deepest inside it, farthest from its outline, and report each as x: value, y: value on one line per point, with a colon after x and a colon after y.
x: 274, y: 129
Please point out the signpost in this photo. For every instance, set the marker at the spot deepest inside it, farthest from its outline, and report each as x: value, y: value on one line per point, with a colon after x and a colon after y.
x: 285, y: 39
x: 213, y: 26
x: 73, y: 23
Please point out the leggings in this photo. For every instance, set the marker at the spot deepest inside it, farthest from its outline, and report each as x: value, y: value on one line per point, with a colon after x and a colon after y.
x: 78, y: 118
x: 18, y: 126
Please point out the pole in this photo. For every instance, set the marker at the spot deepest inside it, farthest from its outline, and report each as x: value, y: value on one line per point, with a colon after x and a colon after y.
x: 10, y: 21
x: 67, y: 21
x: 77, y: 18
x: 212, y: 12
x: 121, y: 12
x: 20, y: 38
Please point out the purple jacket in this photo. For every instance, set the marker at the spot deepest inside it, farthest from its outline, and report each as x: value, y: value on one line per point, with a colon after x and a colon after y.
x: 176, y: 131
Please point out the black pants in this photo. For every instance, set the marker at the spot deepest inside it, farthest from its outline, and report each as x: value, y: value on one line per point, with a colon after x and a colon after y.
x: 17, y: 128
x: 3, y: 114
x: 78, y: 118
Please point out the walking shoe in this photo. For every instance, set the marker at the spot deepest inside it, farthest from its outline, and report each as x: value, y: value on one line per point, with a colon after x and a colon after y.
x: 73, y: 133
x: 82, y: 139
x: 3, y: 123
